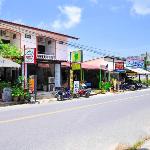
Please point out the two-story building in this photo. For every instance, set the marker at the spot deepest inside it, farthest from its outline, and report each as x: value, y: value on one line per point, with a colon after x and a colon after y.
x: 50, y: 51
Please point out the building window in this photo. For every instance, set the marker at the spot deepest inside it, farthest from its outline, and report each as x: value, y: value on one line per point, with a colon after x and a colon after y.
x: 2, y: 33
x: 41, y: 49
x: 28, y: 36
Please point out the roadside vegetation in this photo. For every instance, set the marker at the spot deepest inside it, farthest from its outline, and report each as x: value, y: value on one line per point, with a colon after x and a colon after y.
x: 136, y: 146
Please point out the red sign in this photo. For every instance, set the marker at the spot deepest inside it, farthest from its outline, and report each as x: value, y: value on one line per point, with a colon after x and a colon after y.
x: 119, y: 66
x: 30, y: 56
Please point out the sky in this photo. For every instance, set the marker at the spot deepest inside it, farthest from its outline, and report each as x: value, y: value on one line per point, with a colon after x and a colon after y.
x: 120, y: 27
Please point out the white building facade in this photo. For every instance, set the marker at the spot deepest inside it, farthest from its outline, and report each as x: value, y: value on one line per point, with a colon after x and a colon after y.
x: 49, y: 52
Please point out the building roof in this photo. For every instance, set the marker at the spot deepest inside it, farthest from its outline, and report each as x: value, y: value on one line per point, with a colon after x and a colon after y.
x: 37, y: 29
x: 138, y: 71
x: 98, y: 63
x: 94, y: 64
x: 7, y: 63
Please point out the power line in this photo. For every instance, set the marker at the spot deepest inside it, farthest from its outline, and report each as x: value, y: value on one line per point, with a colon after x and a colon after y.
x: 89, y: 49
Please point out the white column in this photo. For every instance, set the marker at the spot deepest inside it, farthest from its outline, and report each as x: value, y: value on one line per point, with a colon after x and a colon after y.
x: 57, y: 75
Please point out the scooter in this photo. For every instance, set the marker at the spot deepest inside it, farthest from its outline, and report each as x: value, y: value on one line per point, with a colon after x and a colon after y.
x: 84, y: 91
x: 64, y: 94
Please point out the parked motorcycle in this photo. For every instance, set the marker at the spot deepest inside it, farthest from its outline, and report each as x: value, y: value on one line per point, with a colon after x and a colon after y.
x: 84, y: 91
x: 131, y: 85
x: 64, y: 94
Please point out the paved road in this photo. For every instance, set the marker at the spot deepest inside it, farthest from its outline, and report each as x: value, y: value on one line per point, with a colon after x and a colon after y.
x: 97, y: 123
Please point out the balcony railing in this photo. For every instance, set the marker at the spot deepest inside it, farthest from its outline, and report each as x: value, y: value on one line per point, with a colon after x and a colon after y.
x: 46, y: 57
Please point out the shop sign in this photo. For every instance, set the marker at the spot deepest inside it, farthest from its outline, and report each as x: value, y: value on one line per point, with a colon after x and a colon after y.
x: 71, y: 79
x: 131, y: 74
x: 135, y: 62
x: 119, y: 66
x: 77, y: 56
x: 32, y: 84
x: 76, y: 66
x: 76, y: 87
x: 30, y: 56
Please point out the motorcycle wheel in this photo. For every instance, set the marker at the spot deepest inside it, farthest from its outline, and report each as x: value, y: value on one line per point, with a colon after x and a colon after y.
x: 70, y: 97
x: 87, y: 95
x: 59, y: 98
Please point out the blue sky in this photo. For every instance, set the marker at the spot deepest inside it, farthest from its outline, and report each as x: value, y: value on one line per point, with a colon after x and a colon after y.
x: 120, y: 26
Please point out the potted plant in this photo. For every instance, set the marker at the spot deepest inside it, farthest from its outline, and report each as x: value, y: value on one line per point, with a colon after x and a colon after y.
x: 15, y: 93
x: 21, y: 95
x: 103, y: 91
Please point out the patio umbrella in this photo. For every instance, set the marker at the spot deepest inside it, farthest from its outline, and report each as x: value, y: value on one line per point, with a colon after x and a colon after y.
x: 6, y: 63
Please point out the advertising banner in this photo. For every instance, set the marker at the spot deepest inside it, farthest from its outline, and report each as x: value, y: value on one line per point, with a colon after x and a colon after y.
x: 76, y: 87
x: 76, y: 66
x: 30, y: 56
x: 119, y: 66
x: 135, y: 62
x: 32, y: 84
x: 71, y: 79
x: 77, y: 56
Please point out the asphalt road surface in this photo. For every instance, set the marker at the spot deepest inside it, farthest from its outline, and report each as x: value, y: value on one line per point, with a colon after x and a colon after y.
x: 97, y: 123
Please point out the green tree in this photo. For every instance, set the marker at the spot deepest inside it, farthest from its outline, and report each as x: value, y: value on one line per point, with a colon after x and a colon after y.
x: 10, y: 51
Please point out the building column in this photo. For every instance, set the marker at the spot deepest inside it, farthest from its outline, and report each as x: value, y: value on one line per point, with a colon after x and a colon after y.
x: 57, y: 75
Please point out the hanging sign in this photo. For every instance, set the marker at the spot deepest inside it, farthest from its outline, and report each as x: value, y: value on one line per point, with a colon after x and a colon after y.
x: 30, y: 56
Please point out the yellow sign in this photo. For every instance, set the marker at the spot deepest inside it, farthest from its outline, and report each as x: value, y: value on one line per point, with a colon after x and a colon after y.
x: 71, y: 79
x: 31, y: 85
x: 131, y: 74
x: 76, y: 66
x: 77, y: 56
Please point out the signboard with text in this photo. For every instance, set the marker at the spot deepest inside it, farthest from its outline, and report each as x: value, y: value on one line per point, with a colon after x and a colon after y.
x: 135, y: 62
x: 30, y: 56
x: 76, y: 66
x: 119, y: 66
x: 76, y: 86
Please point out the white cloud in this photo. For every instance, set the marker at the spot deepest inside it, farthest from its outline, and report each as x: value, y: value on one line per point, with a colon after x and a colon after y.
x: 70, y: 16
x: 140, y: 7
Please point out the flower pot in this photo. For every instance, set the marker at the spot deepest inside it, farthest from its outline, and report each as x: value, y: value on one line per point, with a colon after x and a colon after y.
x: 15, y: 98
x: 21, y: 99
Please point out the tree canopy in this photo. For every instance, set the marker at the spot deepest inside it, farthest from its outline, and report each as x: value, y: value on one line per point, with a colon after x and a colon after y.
x: 10, y: 51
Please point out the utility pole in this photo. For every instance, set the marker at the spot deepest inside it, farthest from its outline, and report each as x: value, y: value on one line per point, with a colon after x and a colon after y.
x: 146, y: 67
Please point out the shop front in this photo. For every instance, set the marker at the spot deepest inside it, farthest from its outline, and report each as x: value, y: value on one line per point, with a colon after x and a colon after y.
x: 48, y: 74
